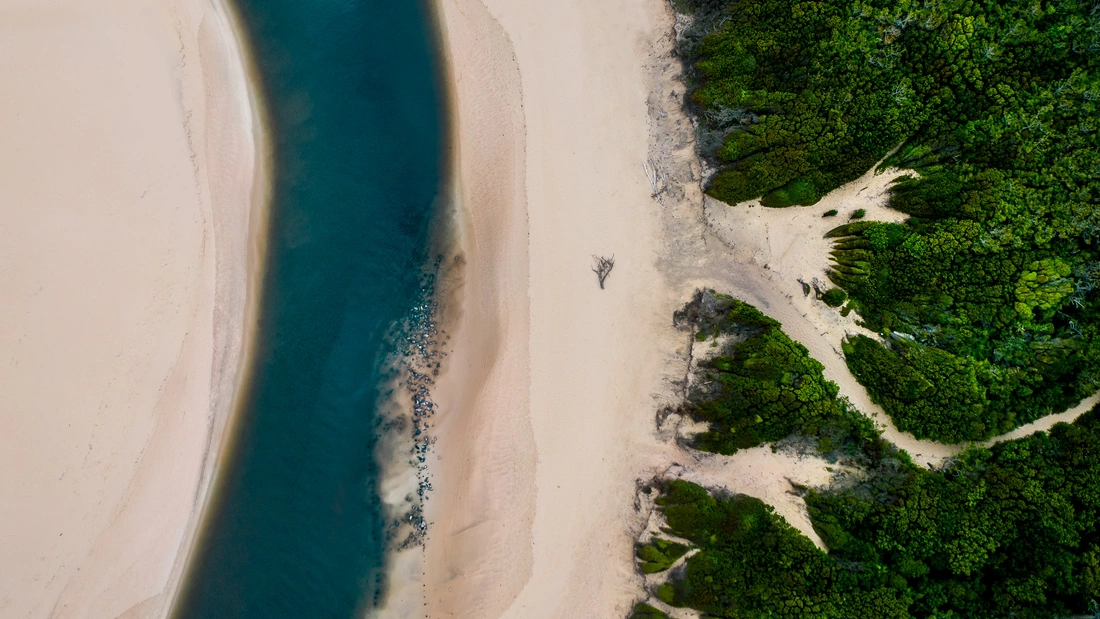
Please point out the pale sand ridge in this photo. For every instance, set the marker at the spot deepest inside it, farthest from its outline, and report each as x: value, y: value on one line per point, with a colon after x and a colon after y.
x: 131, y: 196
x: 486, y: 311
x: 536, y: 482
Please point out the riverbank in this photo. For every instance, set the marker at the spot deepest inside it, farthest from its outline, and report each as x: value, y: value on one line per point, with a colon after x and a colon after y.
x: 542, y: 425
x: 135, y: 195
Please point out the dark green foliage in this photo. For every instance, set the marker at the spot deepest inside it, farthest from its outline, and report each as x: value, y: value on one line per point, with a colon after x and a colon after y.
x: 797, y: 192
x: 666, y: 593
x: 1010, y: 531
x: 834, y: 297
x: 751, y: 563
x: 1007, y: 531
x: 829, y: 213
x: 817, y: 92
x: 764, y: 387
x: 849, y: 229
x: 950, y: 398
x: 659, y: 555
x: 796, y: 95
x: 883, y: 237
x: 645, y: 611
x: 859, y: 213
x: 1004, y: 336
x: 996, y: 105
x: 931, y: 393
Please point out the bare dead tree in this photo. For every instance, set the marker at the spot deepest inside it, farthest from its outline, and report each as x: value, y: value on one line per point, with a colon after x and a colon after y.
x: 602, y: 267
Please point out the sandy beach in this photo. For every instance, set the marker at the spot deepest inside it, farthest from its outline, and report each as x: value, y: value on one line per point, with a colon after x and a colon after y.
x: 132, y: 192
x: 550, y: 390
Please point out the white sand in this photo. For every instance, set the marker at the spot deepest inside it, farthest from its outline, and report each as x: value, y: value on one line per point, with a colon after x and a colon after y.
x: 129, y: 152
x: 541, y: 445
x: 550, y: 400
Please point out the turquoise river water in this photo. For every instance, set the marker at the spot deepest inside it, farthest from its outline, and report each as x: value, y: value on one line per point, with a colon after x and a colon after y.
x: 352, y: 90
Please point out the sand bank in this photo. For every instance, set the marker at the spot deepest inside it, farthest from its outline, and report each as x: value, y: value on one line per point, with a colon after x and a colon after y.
x: 546, y: 401
x: 129, y: 146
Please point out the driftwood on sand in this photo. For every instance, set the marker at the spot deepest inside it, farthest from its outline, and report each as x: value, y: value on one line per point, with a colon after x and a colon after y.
x: 602, y: 267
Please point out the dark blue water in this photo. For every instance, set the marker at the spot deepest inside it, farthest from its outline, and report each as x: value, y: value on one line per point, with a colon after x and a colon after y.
x: 295, y: 529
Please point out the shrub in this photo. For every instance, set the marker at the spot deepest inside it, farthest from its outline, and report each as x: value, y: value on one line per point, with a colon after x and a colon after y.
x: 645, y: 611
x: 659, y: 555
x: 798, y: 192
x: 829, y: 213
x: 834, y: 297
x: 666, y: 593
x: 931, y: 393
x: 884, y: 236
x: 859, y: 213
x: 764, y: 387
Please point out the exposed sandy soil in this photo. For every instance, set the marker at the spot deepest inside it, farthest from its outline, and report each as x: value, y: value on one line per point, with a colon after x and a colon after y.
x: 129, y: 151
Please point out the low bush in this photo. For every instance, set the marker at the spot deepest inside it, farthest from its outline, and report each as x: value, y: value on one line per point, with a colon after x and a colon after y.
x: 659, y: 555
x: 645, y: 611
x: 795, y: 193
x: 834, y: 297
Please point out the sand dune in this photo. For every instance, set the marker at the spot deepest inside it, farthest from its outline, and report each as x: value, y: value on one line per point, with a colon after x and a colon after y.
x: 129, y: 155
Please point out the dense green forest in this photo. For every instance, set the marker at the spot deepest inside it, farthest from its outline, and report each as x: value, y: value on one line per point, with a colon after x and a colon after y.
x: 1009, y: 531
x: 989, y: 292
x: 761, y: 386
